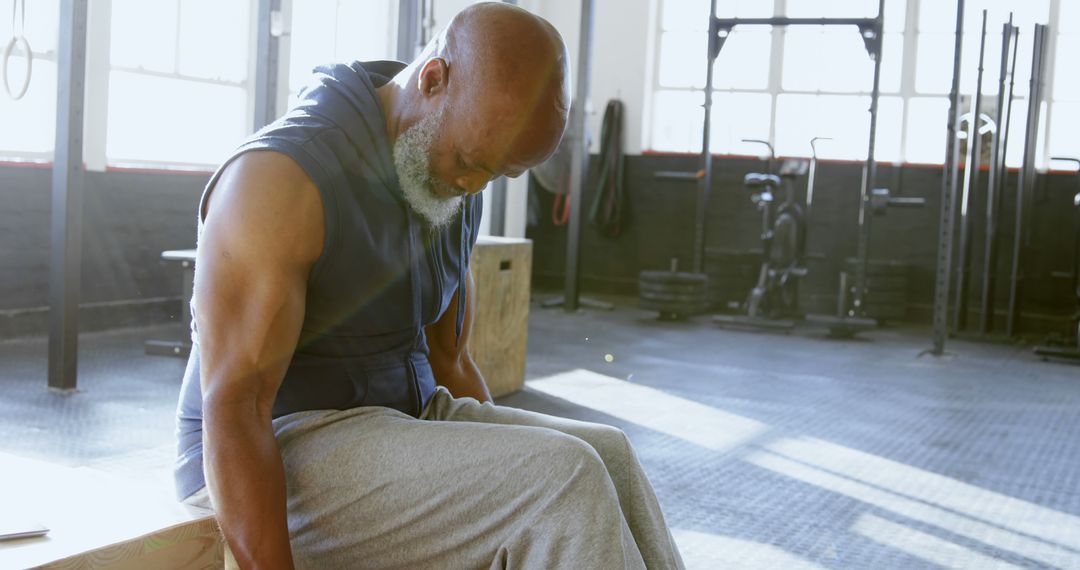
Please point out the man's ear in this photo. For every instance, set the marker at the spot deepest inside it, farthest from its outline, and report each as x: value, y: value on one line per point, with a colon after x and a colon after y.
x: 433, y: 77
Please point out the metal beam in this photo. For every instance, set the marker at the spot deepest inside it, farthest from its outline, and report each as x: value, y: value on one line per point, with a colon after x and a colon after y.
x: 728, y: 23
x: 705, y: 182
x: 267, y: 59
x: 579, y: 157
x: 65, y: 266
x: 408, y: 29
x: 949, y: 181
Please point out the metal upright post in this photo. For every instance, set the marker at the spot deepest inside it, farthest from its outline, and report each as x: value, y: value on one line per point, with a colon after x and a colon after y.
x: 971, y: 182
x: 996, y: 180
x: 67, y: 198
x: 579, y: 159
x: 1026, y: 184
x: 267, y: 55
x: 408, y: 29
x: 705, y: 182
x: 874, y: 46
x: 949, y: 179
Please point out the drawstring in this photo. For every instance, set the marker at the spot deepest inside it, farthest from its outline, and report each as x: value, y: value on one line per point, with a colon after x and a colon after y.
x: 463, y: 285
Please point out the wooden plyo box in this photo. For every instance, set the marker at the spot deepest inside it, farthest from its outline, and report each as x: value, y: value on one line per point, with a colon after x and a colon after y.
x: 502, y: 268
x: 97, y: 520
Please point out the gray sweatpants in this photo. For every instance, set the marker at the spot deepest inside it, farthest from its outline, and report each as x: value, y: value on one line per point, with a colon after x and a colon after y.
x: 469, y: 485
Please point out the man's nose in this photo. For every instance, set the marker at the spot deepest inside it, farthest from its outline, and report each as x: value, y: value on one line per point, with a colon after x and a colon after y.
x: 473, y: 183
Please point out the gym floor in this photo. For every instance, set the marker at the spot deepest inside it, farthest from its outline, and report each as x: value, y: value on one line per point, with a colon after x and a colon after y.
x: 767, y: 451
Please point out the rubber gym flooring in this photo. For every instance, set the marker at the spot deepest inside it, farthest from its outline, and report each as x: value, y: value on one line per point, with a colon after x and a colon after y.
x: 767, y: 451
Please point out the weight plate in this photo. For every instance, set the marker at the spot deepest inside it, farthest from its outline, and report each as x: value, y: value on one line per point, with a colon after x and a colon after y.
x: 666, y: 277
x: 675, y: 298
x: 672, y: 288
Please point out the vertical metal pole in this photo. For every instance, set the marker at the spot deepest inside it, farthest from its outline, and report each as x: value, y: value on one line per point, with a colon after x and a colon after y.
x: 408, y: 30
x: 949, y: 180
x: 862, y: 249
x: 971, y: 182
x: 996, y: 180
x: 1026, y: 184
x: 497, y: 215
x: 267, y: 57
x: 579, y: 159
x: 705, y: 182
x: 67, y: 198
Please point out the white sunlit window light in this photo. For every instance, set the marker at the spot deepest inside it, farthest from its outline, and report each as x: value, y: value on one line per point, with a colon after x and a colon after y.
x: 788, y: 85
x: 178, y: 82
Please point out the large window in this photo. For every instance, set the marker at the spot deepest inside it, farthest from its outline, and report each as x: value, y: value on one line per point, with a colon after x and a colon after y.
x: 325, y: 31
x: 789, y: 85
x: 178, y: 82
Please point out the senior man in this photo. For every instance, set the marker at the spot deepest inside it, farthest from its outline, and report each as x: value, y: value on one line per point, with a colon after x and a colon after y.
x: 330, y: 412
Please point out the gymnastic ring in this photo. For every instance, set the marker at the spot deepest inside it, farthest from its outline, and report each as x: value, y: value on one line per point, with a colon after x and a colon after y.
x: 9, y: 50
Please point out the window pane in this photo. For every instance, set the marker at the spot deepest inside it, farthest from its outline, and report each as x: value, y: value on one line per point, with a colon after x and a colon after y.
x: 363, y: 30
x: 1014, y: 155
x: 677, y: 121
x: 30, y: 122
x: 685, y: 15
x: 937, y: 16
x: 844, y: 118
x: 144, y: 34
x: 890, y: 124
x: 310, y: 44
x: 42, y: 23
x: 204, y: 123
x: 744, y: 8
x: 1064, y: 136
x: 832, y: 8
x: 743, y: 63
x: 737, y: 116
x: 1066, y: 76
x: 682, y: 59
x: 1069, y: 17
x: 835, y: 59
x: 214, y: 39
x: 934, y: 63
x: 926, y: 129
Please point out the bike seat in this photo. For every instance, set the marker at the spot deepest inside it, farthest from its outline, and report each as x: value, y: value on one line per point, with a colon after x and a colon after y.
x: 760, y: 180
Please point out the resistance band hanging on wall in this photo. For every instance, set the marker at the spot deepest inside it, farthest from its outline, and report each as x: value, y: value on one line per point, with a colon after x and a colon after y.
x: 18, y: 39
x: 607, y: 209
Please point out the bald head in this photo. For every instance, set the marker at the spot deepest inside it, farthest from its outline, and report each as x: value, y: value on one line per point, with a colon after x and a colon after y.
x: 497, y: 79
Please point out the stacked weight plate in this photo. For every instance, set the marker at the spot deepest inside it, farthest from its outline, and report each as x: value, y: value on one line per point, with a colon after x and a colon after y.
x: 673, y: 294
x: 886, y: 288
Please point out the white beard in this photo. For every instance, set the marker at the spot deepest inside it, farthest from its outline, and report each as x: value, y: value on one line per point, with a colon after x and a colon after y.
x: 412, y: 160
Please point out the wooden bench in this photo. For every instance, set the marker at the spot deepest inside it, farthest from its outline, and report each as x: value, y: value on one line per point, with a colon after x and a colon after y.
x: 97, y: 520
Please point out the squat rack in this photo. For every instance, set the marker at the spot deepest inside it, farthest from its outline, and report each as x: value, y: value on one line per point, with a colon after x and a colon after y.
x: 720, y: 29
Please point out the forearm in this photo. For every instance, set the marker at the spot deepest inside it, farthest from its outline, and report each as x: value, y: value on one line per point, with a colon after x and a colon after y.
x: 464, y: 380
x: 247, y: 486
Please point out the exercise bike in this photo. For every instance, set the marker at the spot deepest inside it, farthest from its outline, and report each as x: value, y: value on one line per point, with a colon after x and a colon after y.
x: 773, y: 300
x: 1070, y: 351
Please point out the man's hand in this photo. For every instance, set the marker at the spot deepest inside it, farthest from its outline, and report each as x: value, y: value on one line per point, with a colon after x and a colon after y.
x: 260, y: 239
x: 450, y: 360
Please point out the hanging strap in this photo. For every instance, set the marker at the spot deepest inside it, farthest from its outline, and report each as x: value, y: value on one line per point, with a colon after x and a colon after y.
x: 607, y: 208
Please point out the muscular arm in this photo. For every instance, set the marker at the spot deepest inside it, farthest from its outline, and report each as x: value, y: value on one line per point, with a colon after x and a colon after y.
x: 263, y: 232
x: 453, y: 366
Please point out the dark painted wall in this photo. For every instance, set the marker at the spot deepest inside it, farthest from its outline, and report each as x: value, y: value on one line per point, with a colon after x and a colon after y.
x: 661, y: 226
x: 129, y: 219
